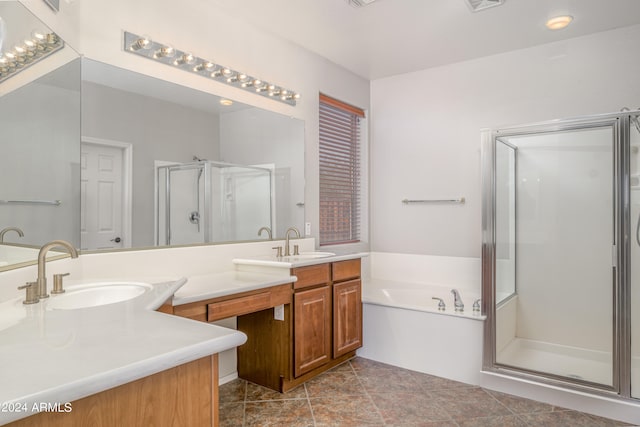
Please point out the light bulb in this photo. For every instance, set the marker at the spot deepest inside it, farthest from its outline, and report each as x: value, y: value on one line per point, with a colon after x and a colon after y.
x: 227, y: 72
x: 39, y: 36
x: 185, y: 58
x: 205, y: 66
x: 143, y: 43
x: 165, y: 52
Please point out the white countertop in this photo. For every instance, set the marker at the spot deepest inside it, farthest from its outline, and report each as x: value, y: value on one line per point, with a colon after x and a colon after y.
x: 63, y: 355
x: 208, y: 286
x: 293, y: 261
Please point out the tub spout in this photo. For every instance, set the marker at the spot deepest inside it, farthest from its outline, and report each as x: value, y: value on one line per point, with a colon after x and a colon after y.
x: 458, y: 305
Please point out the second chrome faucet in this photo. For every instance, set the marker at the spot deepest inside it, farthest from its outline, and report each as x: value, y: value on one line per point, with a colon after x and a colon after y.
x: 458, y: 305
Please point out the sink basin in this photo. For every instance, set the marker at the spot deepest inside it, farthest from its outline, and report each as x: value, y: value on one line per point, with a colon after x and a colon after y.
x: 307, y: 255
x: 95, y: 294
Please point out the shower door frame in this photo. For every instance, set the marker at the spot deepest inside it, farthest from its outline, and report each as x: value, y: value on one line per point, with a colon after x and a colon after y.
x: 206, y: 167
x: 621, y: 322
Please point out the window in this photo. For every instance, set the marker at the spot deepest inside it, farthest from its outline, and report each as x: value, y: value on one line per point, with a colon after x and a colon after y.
x: 339, y: 172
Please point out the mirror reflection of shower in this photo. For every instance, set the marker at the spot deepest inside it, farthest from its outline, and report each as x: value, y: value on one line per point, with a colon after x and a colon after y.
x: 194, y: 216
x: 208, y: 201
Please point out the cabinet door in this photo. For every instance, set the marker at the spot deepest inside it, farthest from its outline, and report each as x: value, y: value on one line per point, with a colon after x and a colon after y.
x: 347, y: 317
x: 312, y: 329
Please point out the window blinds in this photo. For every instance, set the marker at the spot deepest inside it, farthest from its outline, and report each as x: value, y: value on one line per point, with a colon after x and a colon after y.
x: 339, y: 172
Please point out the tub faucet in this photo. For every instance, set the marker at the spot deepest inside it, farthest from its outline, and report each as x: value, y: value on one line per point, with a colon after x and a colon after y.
x: 458, y: 305
x: 5, y: 230
x: 287, y: 251
x: 42, y: 277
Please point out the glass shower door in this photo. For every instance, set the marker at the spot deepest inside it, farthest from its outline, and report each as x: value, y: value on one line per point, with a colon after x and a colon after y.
x: 634, y: 181
x: 554, y: 234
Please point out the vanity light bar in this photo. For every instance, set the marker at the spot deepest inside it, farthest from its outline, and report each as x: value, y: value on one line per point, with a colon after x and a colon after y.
x: 166, y: 54
x: 34, y: 48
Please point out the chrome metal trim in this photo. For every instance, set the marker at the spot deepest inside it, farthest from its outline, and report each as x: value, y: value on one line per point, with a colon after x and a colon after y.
x: 487, y: 157
x: 207, y: 209
x: 31, y: 202
x: 461, y: 200
x: 622, y: 293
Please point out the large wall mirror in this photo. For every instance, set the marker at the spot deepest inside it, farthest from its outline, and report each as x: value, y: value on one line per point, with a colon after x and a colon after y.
x: 110, y: 159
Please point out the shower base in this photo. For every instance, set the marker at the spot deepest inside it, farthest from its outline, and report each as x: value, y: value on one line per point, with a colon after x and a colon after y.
x: 570, y: 362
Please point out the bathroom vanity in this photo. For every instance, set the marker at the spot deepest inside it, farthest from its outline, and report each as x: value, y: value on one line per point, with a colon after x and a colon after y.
x: 295, y: 330
x: 115, y: 364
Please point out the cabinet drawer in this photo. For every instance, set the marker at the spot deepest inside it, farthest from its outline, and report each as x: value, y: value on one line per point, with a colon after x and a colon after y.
x: 312, y: 275
x: 344, y: 270
x: 256, y: 301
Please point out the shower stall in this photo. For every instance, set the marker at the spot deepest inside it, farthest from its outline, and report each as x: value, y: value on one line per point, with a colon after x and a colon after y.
x: 561, y: 253
x: 206, y: 201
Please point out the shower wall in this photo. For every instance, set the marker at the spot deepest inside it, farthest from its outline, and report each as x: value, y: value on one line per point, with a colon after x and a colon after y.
x: 564, y: 238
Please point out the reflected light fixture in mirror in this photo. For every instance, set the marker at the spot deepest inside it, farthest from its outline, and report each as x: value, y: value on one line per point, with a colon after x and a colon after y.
x: 166, y: 54
x: 34, y: 48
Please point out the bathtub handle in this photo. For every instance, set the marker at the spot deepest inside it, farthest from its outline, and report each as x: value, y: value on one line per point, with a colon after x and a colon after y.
x: 441, y: 305
x: 476, y: 306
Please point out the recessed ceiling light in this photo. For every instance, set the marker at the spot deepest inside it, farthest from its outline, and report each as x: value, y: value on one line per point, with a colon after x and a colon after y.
x: 226, y: 102
x: 559, y: 22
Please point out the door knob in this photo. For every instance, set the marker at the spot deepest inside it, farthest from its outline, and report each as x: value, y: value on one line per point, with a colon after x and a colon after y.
x: 117, y: 240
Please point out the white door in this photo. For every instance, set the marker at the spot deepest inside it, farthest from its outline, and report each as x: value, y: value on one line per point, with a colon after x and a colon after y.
x: 101, y: 177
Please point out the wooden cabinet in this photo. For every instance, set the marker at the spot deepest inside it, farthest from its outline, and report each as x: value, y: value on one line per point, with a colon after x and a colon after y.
x: 347, y: 317
x: 186, y: 395
x: 319, y: 327
x: 312, y: 326
x: 347, y: 307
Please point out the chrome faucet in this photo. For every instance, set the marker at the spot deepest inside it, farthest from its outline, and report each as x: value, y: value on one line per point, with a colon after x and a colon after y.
x: 267, y: 229
x: 458, y: 305
x: 42, y: 277
x: 287, y: 251
x: 4, y: 231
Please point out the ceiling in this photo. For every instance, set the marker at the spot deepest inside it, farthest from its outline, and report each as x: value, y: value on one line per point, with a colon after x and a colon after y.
x: 390, y: 37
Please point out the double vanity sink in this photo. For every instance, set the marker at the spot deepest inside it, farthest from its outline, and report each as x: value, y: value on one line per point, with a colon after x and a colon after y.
x: 101, y: 334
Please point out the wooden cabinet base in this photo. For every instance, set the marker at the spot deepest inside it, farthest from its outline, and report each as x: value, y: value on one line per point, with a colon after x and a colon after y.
x: 186, y: 395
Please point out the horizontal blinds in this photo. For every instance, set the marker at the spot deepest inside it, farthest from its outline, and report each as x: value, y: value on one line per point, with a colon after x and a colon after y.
x: 339, y: 172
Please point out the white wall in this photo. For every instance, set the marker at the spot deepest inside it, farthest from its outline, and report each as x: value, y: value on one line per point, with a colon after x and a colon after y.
x: 95, y: 28
x: 253, y: 137
x: 425, y: 129
x: 46, y: 110
x: 158, y: 130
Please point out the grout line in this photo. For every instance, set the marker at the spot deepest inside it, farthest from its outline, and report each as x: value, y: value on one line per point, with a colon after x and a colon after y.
x: 366, y: 392
x: 306, y: 392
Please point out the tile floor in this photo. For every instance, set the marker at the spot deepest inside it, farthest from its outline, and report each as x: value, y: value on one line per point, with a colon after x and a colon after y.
x: 362, y: 392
